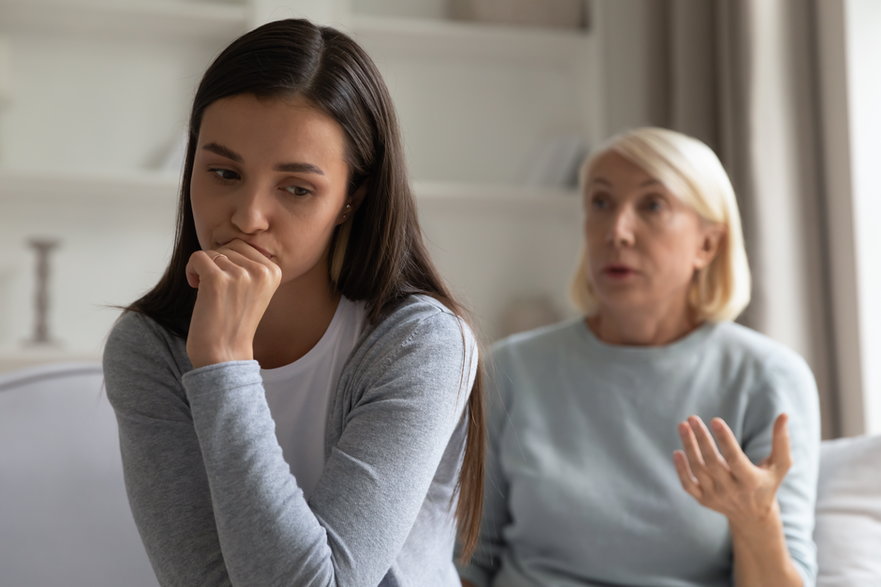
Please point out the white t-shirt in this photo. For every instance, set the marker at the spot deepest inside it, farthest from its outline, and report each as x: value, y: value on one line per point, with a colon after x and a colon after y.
x: 297, y: 393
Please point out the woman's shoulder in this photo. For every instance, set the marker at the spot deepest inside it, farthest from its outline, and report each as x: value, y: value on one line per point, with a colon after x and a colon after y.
x: 137, y: 329
x: 751, y: 343
x: 750, y: 349
x: 137, y: 343
x: 417, y: 321
x: 131, y: 324
x: 413, y: 312
x: 417, y: 307
x: 540, y: 341
x: 420, y: 340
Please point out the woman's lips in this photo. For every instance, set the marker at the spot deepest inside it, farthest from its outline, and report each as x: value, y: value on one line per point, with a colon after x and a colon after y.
x: 618, y: 271
x: 262, y: 251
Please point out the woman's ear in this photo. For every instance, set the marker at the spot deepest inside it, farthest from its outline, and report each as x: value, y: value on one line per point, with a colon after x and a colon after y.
x: 353, y: 202
x: 356, y: 198
x: 710, y: 244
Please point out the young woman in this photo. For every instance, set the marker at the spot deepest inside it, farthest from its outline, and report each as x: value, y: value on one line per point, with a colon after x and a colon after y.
x: 647, y: 442
x: 296, y: 397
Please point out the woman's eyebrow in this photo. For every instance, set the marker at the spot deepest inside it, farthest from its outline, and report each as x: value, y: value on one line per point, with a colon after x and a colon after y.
x: 223, y: 152
x: 289, y: 167
x: 299, y: 168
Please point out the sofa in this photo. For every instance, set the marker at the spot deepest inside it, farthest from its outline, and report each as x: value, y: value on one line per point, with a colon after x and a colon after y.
x: 848, y: 527
x: 64, y: 518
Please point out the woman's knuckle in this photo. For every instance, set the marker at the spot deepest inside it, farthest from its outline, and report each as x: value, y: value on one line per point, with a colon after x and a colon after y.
x: 264, y: 272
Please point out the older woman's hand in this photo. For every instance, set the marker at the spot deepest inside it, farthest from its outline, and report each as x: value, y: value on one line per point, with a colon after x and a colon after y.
x: 721, y: 477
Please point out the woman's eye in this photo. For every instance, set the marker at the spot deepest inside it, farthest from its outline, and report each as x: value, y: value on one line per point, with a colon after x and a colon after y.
x: 653, y: 204
x: 296, y: 190
x: 599, y: 202
x: 224, y: 174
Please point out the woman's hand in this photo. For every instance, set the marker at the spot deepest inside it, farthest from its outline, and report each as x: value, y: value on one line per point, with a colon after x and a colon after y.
x: 722, y: 478
x: 235, y: 283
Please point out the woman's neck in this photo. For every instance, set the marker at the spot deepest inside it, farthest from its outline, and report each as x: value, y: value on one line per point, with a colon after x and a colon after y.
x: 641, y: 328
x: 294, y: 322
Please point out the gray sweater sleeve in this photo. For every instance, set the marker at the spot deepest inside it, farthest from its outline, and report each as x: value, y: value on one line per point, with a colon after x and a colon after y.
x: 789, y: 386
x: 404, y: 393
x: 164, y: 476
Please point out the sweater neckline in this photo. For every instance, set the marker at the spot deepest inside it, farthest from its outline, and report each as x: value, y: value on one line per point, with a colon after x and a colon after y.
x: 688, y: 343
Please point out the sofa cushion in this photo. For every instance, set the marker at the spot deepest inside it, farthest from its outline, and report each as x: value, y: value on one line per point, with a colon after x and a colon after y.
x: 848, y: 527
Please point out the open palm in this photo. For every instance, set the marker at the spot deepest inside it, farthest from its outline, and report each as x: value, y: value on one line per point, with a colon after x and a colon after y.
x: 720, y: 476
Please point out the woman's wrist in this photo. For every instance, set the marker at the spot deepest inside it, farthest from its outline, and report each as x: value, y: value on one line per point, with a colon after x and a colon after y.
x: 760, y: 523
x: 213, y: 356
x: 760, y: 550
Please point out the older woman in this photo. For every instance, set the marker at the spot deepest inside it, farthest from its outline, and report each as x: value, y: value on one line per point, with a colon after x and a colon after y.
x: 652, y: 441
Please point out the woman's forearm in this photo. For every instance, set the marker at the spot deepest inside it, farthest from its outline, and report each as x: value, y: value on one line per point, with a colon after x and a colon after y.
x: 761, y: 558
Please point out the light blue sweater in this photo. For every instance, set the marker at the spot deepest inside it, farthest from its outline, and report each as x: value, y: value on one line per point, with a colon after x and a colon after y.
x: 581, y: 487
x: 216, y: 503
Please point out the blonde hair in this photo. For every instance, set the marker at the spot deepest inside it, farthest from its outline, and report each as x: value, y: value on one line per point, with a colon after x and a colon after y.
x: 693, y: 173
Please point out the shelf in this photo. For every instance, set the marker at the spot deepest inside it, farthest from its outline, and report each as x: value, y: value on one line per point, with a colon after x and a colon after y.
x: 145, y: 18
x: 538, y: 197
x: 143, y: 185
x: 420, y: 37
x: 32, y: 186
x: 15, y: 359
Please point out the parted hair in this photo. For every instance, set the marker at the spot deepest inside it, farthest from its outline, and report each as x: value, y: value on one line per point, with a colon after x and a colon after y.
x: 693, y: 173
x: 378, y: 256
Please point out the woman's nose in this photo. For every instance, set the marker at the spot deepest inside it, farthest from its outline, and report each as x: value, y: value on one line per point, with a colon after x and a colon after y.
x: 251, y: 210
x: 621, y: 228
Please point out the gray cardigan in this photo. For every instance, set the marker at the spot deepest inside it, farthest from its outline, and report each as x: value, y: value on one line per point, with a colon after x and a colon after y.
x: 214, y: 499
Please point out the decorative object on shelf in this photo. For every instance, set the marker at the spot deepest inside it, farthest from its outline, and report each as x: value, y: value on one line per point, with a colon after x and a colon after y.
x: 42, y: 247
x: 555, y: 162
x: 571, y: 14
x: 526, y: 313
x: 431, y: 9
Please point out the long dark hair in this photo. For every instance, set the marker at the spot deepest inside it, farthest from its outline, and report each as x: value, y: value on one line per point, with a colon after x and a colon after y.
x: 378, y: 256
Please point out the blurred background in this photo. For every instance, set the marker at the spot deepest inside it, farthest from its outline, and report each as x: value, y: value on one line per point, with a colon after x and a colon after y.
x: 499, y: 101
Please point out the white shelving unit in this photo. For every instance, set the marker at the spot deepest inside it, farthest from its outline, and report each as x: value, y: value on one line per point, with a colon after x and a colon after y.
x: 99, y: 88
x: 121, y: 189
x: 124, y: 18
x: 430, y: 37
x: 95, y: 189
x: 483, y: 107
